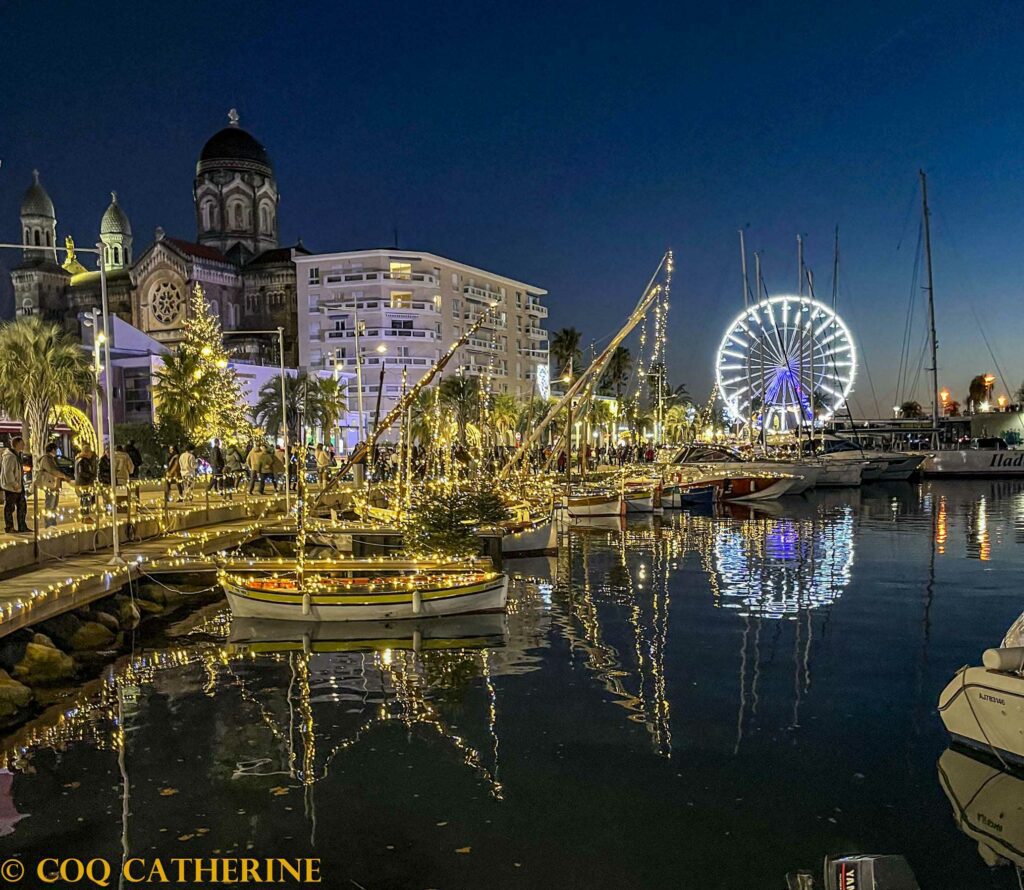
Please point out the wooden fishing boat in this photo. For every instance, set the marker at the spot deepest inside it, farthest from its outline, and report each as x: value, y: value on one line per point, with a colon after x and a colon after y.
x: 639, y: 500
x: 535, y: 536
x: 587, y: 504
x: 360, y: 589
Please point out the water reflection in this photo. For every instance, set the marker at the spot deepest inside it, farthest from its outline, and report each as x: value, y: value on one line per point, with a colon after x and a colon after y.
x: 988, y: 806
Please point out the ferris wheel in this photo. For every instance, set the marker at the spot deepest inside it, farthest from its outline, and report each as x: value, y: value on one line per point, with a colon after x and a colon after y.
x: 786, y: 362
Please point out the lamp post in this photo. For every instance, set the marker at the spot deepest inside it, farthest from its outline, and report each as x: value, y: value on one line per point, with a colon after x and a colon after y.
x: 105, y: 310
x: 381, y: 350
x: 279, y: 333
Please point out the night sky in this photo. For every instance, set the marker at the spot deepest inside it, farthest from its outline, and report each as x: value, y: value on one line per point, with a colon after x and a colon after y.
x: 567, y: 145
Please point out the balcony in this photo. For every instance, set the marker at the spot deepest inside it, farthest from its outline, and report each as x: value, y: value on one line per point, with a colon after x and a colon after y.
x: 340, y: 279
x: 493, y: 320
x: 481, y: 294
x: 390, y: 361
x: 382, y: 334
x: 378, y: 304
x: 476, y: 370
x: 535, y: 333
x: 479, y: 343
x: 533, y: 353
x: 535, y: 308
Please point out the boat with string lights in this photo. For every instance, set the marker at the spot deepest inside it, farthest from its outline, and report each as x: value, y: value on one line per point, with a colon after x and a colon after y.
x: 360, y: 589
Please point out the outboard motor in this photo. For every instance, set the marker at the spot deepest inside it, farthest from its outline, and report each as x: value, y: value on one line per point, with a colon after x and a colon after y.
x: 862, y: 872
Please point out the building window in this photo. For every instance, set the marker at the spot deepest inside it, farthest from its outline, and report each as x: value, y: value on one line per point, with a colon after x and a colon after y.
x: 117, y: 262
x: 314, y: 300
x: 456, y: 308
x: 314, y: 329
x: 236, y: 216
x: 455, y: 280
x: 401, y: 300
x: 314, y: 274
x: 401, y: 271
x: 38, y: 239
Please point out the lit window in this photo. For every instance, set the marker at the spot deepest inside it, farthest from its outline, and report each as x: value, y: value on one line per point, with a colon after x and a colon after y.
x: 402, y: 271
x: 401, y: 300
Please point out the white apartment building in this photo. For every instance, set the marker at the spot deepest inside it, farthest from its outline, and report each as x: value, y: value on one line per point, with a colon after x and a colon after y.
x: 410, y: 307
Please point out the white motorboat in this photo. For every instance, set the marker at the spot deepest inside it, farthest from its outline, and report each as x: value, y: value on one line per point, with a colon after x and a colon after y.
x: 988, y: 805
x: 983, y: 707
x: 877, y: 466
x: 367, y: 589
x: 1015, y: 635
x: 840, y: 474
x: 804, y: 474
x: 991, y: 460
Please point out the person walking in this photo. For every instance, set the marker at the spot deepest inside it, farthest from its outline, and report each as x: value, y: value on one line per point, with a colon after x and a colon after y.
x: 12, y: 481
x: 48, y: 477
x: 136, y: 457
x: 85, y: 479
x: 278, y: 466
x: 123, y: 466
x: 217, y: 466
x: 172, y: 475
x: 189, y: 465
x: 254, y: 462
x: 233, y: 468
x: 323, y: 463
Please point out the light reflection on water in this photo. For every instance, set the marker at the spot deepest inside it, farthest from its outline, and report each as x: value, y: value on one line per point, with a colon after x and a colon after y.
x: 725, y: 690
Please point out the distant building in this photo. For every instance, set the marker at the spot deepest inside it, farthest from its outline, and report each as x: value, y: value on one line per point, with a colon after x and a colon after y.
x: 249, y: 279
x: 411, y: 307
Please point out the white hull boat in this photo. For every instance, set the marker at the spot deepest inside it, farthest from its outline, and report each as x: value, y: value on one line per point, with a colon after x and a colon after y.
x: 535, y: 538
x: 976, y: 462
x: 363, y: 590
x: 840, y: 474
x: 639, y: 502
x: 983, y: 707
x: 584, y: 506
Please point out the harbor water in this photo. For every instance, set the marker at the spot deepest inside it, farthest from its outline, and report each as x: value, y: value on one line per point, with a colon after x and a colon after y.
x: 705, y: 701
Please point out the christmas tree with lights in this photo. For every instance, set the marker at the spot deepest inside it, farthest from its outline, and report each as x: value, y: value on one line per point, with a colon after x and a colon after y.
x: 197, y: 389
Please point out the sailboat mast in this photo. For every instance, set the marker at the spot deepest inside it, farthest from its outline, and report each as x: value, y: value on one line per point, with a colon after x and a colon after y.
x: 746, y: 305
x: 926, y: 216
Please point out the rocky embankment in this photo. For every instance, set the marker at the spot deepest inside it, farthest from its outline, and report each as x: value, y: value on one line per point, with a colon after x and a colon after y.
x: 39, y: 663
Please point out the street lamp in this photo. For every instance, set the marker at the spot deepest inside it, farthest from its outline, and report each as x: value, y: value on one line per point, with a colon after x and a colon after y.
x: 105, y: 310
x: 381, y: 350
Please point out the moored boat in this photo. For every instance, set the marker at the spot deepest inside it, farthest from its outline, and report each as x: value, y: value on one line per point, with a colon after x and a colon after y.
x: 978, y: 462
x: 983, y: 707
x: 360, y: 590
x: 598, y: 503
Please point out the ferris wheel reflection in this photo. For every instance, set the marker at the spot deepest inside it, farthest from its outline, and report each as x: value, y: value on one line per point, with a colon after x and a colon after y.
x: 779, y: 567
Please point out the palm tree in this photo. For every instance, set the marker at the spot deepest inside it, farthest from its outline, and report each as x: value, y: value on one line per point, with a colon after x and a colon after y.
x: 616, y: 374
x: 504, y: 414
x: 461, y: 396
x: 911, y: 409
x: 333, y: 403
x: 678, y: 421
x: 565, y: 347
x: 977, y: 392
x: 180, y: 394
x: 303, y: 399
x: 40, y: 369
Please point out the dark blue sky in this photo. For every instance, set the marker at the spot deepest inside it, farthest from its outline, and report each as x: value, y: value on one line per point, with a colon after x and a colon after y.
x: 568, y: 144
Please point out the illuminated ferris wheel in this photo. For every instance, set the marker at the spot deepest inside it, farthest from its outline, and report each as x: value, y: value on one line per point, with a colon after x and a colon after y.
x: 786, y: 362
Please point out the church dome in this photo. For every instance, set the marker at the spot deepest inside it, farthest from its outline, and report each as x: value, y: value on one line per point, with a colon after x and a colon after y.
x: 115, y: 220
x: 233, y: 144
x: 36, y: 202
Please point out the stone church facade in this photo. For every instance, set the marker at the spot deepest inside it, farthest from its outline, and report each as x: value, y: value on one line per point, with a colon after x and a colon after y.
x: 248, y: 278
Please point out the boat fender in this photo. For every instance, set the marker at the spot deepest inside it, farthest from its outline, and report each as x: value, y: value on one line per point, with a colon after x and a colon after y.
x: 417, y: 602
x: 306, y: 604
x: 306, y: 645
x: 1006, y: 660
x: 417, y: 640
